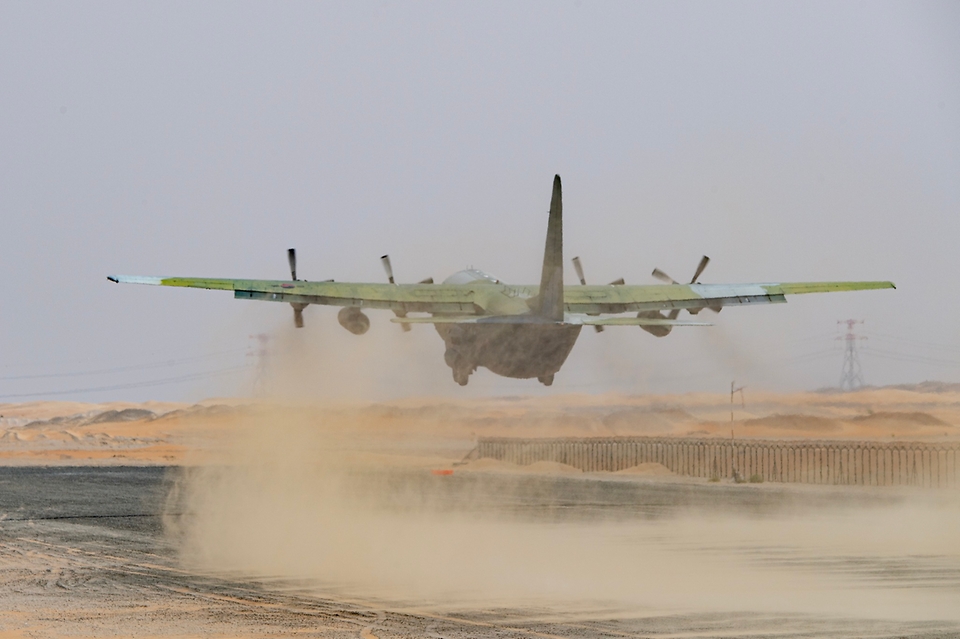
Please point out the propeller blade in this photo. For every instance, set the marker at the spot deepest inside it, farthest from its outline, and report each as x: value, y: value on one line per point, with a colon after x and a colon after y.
x: 298, y: 317
x: 703, y: 264
x: 292, y: 259
x: 388, y: 268
x: 385, y: 260
x: 617, y: 282
x: 663, y: 277
x: 579, y: 269
x: 429, y: 280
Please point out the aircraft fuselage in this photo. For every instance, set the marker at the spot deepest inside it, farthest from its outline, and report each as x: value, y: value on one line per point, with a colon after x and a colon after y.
x: 511, y: 350
x: 515, y: 350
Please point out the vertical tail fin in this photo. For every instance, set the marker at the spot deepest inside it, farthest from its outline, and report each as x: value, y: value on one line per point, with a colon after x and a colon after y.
x: 550, y: 297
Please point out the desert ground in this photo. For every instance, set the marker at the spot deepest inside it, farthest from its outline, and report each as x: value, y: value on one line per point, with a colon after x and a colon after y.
x: 261, y: 518
x: 432, y: 431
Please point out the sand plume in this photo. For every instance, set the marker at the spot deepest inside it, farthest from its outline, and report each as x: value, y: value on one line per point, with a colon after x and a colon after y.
x: 304, y: 501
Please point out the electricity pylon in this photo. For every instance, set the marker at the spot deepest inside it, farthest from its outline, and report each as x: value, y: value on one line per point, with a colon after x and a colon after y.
x: 851, y: 378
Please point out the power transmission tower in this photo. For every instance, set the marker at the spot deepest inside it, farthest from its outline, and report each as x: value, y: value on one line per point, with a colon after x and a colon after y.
x: 851, y: 378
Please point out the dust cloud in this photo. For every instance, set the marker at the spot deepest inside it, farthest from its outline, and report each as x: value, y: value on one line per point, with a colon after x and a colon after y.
x: 307, y: 500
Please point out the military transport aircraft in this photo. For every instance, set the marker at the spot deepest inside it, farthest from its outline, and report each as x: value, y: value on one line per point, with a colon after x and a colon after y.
x: 515, y: 331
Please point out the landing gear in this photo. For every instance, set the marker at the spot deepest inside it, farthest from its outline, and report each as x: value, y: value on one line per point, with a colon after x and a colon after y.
x: 546, y: 380
x: 461, y: 368
x: 461, y: 376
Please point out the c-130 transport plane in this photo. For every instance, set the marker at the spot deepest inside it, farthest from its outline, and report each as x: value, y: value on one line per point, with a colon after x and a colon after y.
x: 514, y: 331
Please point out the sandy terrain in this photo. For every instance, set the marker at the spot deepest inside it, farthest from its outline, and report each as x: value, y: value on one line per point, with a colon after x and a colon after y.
x: 424, y: 431
x: 262, y: 519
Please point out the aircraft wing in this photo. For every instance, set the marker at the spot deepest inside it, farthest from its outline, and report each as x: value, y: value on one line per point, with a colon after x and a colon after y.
x: 413, y: 298
x: 613, y: 299
x: 459, y: 299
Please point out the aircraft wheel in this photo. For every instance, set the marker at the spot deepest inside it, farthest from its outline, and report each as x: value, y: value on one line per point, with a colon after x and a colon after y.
x: 461, y: 375
x: 546, y: 380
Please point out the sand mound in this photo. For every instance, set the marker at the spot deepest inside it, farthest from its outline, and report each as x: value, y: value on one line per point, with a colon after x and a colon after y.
x: 125, y: 415
x: 488, y: 464
x: 795, y: 422
x: 650, y: 469
x: 540, y: 467
x: 199, y: 411
x: 928, y: 387
x: 550, y: 467
x: 646, y: 420
x: 886, y: 417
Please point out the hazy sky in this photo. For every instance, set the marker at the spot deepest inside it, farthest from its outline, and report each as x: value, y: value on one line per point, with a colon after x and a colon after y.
x: 789, y: 142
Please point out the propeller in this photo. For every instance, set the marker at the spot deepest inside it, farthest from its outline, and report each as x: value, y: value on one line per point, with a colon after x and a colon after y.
x: 385, y: 260
x: 297, y: 308
x: 292, y: 260
x: 663, y: 277
x: 578, y: 267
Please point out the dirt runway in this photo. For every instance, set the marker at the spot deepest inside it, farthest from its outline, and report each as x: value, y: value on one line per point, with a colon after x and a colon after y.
x: 84, y: 552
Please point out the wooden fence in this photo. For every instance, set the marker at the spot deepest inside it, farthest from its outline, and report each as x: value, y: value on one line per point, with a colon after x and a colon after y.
x: 811, y: 462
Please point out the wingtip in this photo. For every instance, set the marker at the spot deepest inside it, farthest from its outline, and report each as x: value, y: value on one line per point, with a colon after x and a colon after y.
x: 135, y: 279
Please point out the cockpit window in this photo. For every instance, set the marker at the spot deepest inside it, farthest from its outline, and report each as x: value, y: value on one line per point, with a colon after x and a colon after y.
x: 471, y: 275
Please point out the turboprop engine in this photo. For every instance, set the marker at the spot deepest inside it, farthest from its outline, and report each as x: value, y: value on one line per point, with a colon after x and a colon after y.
x: 353, y: 319
x: 663, y: 331
x: 656, y: 331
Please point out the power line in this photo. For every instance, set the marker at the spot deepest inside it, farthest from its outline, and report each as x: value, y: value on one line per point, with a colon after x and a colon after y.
x: 122, y: 369
x: 903, y: 357
x: 810, y: 338
x: 805, y: 357
x: 145, y: 384
x: 914, y: 342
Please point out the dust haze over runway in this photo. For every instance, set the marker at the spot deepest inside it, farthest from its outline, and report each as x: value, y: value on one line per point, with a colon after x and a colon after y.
x: 86, y: 550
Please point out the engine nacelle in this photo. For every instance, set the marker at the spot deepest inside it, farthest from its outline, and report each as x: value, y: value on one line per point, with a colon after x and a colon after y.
x: 353, y: 319
x: 655, y: 330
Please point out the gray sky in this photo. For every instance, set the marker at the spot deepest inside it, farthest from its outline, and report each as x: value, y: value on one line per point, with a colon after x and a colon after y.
x: 789, y: 142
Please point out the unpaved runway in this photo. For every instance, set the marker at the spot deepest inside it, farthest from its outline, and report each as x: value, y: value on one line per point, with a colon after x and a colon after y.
x: 83, y: 552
